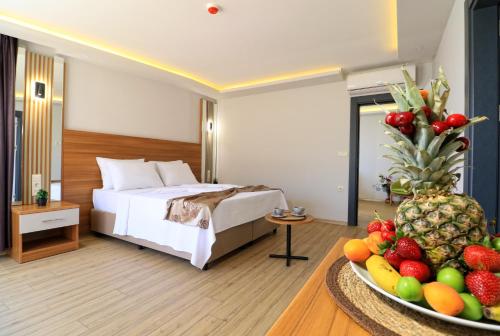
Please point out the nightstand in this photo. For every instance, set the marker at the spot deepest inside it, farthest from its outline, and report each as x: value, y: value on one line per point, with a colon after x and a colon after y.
x: 39, y: 232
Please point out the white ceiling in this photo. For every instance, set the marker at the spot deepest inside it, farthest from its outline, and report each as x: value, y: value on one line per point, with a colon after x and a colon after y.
x: 250, y: 40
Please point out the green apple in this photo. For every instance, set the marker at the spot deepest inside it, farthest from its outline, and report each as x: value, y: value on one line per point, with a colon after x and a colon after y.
x: 487, y: 242
x: 496, y: 244
x: 451, y: 277
x: 409, y: 289
x: 472, y: 307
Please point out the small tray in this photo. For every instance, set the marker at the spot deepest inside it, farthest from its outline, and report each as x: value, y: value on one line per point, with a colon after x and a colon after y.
x: 290, y: 217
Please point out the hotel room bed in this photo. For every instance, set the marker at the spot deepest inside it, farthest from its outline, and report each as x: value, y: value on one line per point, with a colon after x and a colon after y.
x: 138, y: 216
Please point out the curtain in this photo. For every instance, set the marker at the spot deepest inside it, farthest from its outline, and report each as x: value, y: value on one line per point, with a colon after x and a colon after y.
x: 8, y: 55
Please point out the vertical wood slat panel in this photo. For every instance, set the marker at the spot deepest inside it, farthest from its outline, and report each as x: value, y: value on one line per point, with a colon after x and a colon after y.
x: 37, y: 124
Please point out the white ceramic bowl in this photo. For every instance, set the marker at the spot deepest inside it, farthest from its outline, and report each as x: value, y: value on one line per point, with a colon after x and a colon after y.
x: 365, y: 276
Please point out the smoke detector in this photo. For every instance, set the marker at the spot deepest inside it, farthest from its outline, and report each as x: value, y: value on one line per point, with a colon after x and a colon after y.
x: 213, y: 8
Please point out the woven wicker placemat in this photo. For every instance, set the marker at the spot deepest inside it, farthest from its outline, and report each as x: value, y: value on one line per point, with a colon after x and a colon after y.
x: 380, y: 315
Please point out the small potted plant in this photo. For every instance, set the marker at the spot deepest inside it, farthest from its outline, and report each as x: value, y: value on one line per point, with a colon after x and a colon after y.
x: 384, y: 184
x: 41, y: 197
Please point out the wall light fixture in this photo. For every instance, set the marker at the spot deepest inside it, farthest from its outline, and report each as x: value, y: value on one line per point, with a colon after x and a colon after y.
x: 39, y: 90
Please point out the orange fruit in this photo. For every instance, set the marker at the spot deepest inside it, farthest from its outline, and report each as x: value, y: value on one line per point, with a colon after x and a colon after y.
x: 443, y: 298
x: 424, y: 94
x: 373, y: 240
x: 356, y: 250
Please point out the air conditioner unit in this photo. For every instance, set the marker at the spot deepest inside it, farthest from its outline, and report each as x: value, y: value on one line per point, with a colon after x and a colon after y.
x: 375, y: 81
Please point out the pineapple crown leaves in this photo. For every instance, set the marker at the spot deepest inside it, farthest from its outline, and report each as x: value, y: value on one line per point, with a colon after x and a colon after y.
x: 425, y: 162
x: 439, y: 93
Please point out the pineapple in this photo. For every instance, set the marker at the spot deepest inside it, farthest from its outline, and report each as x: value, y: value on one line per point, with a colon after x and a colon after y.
x: 426, y: 160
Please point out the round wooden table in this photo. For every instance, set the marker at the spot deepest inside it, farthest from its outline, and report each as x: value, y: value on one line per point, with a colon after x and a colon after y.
x: 288, y: 256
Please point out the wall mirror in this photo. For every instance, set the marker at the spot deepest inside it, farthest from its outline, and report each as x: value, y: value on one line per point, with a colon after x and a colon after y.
x: 39, y: 125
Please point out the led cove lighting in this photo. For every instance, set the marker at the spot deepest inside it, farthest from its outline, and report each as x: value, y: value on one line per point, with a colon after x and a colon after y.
x: 140, y: 59
x: 105, y: 48
x: 282, y: 78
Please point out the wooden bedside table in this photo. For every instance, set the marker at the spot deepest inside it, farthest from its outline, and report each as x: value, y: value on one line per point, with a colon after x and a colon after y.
x: 39, y: 232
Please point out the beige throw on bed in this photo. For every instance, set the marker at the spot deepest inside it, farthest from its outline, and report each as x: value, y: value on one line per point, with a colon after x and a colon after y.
x: 187, y: 208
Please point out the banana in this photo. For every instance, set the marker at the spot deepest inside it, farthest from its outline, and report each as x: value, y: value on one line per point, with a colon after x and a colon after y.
x: 383, y: 273
x: 492, y: 313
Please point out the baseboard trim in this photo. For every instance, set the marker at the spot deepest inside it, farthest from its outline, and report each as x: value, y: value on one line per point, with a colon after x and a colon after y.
x: 329, y: 221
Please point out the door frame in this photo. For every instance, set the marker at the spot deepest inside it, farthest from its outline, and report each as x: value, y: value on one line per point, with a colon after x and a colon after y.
x: 482, y: 92
x: 356, y: 103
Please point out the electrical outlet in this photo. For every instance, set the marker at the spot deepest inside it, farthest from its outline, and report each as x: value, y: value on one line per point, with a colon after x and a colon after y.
x: 36, y: 183
x: 340, y: 188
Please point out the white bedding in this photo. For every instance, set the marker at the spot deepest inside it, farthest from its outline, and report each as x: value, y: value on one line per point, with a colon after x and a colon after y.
x: 140, y: 213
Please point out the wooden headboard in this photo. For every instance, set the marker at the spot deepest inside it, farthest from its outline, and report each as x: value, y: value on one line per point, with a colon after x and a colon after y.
x: 80, y: 173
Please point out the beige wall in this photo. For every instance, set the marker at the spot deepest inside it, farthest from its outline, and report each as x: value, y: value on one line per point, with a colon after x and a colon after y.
x: 290, y: 139
x: 103, y: 100
x: 451, y: 56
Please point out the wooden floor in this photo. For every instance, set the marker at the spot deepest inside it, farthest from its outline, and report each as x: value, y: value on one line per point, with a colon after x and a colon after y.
x: 366, y: 209
x: 109, y: 287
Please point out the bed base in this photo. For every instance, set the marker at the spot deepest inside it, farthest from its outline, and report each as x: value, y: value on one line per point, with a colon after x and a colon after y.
x: 227, y: 241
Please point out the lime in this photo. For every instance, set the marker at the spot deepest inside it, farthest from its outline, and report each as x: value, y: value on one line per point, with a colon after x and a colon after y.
x: 496, y: 244
x: 451, y: 277
x: 472, y: 308
x: 487, y: 242
x: 409, y: 289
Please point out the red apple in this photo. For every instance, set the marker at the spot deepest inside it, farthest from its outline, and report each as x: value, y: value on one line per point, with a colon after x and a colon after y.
x: 390, y: 119
x: 456, y: 120
x: 465, y: 143
x: 427, y: 110
x: 389, y: 236
x: 388, y: 225
x: 404, y: 118
x: 439, y: 127
x: 407, y: 129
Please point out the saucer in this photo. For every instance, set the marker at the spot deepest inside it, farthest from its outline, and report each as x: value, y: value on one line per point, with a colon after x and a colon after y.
x: 297, y: 215
x: 278, y: 216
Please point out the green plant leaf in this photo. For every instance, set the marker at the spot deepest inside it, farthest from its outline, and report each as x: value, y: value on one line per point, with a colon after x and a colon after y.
x: 399, y: 97
x: 423, y: 136
x: 450, y: 148
x: 400, y: 136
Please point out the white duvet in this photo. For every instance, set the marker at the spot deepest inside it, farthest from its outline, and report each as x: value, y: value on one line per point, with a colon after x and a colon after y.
x: 140, y: 213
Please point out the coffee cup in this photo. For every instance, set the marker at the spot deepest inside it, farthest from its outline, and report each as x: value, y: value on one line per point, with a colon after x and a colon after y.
x: 278, y: 212
x: 298, y: 210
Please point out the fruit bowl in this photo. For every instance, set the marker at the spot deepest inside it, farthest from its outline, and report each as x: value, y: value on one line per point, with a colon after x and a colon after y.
x: 363, y: 274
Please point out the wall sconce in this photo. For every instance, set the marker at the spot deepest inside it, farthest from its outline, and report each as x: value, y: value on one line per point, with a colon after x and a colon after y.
x: 210, y: 126
x: 39, y: 90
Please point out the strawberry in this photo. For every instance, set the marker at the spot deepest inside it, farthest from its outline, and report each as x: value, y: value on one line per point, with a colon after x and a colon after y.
x: 481, y: 258
x: 485, y: 286
x: 416, y: 269
x: 374, y: 225
x: 393, y: 258
x: 389, y: 236
x: 388, y: 225
x: 408, y: 248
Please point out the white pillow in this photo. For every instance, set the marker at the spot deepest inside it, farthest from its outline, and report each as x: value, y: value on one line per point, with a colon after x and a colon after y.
x: 176, y: 174
x: 168, y: 162
x: 134, y: 175
x: 166, y: 165
x: 107, y: 181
